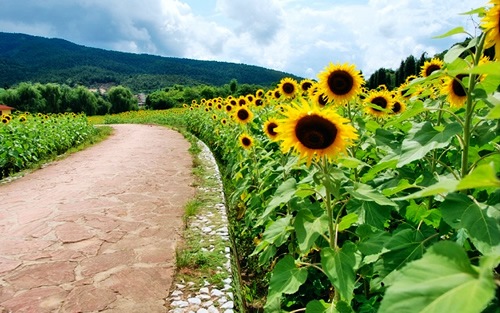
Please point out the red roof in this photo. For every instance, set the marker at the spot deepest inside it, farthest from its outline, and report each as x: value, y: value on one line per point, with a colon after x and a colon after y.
x: 4, y: 107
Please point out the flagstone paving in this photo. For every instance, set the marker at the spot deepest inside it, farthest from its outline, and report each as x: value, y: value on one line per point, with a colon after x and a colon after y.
x: 97, y: 230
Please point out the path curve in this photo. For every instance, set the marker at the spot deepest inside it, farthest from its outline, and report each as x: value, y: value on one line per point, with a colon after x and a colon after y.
x: 96, y: 231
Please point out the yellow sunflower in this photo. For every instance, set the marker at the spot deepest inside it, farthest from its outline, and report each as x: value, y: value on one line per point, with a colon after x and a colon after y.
x: 22, y: 118
x: 228, y: 108
x: 320, y: 99
x: 242, y: 101
x: 431, y: 66
x: 305, y: 84
x: 313, y: 132
x: 270, y: 128
x: 340, y: 83
x: 276, y: 94
x: 223, y: 121
x: 378, y: 102
x: 258, y: 102
x: 243, y: 115
x: 288, y: 87
x: 260, y: 93
x: 5, y: 120
x: 454, y: 90
x: 398, y: 106
x: 246, y: 141
x: 491, y: 25
x: 250, y: 98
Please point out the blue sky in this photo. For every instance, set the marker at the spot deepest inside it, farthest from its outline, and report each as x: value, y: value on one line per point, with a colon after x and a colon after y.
x: 296, y: 36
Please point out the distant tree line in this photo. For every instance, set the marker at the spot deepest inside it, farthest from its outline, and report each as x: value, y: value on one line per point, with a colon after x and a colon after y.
x: 55, y: 98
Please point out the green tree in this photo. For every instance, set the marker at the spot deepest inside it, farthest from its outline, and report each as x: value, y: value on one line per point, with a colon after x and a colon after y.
x: 121, y: 99
x: 30, y: 98
x: 52, y: 94
x: 160, y: 100
x: 83, y: 101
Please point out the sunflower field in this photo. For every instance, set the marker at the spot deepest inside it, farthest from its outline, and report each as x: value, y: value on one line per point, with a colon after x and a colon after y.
x: 27, y: 139
x: 344, y: 199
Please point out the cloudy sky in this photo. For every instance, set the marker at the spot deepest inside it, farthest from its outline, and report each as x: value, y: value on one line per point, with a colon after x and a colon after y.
x: 296, y: 36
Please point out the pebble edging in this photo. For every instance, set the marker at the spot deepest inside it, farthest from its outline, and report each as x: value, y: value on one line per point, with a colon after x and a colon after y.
x: 212, y: 224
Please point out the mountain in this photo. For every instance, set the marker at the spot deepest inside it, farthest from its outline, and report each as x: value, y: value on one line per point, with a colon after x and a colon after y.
x: 38, y: 59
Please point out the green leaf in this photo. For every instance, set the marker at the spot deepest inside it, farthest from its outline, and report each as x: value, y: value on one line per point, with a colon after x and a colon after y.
x: 384, y: 164
x: 494, y: 112
x: 375, y: 214
x: 284, y: 193
x: 489, y: 68
x: 445, y: 185
x: 424, y: 138
x: 339, y: 266
x: 442, y: 281
x: 371, y: 241
x: 308, y: 228
x: 402, y: 185
x: 320, y: 306
x: 347, y: 221
x: 367, y: 193
x: 459, y: 211
x: 277, y: 231
x: 454, y: 31
x: 286, y: 278
x: 351, y: 162
x: 482, y: 176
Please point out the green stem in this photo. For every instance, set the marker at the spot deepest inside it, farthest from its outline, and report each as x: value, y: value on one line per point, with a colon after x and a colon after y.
x: 469, y: 110
x: 328, y: 203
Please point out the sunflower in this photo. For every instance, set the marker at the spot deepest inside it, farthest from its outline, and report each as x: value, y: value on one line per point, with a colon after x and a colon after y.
x: 242, y: 101
x: 288, y: 87
x: 270, y: 128
x: 398, y: 106
x: 246, y: 141
x: 5, y: 120
x: 314, y: 132
x: 258, y: 102
x: 431, y: 66
x: 455, y: 91
x: 320, y: 99
x: 340, y: 83
x: 380, y: 98
x: 22, y: 118
x: 223, y: 121
x: 260, y: 93
x: 491, y: 25
x: 305, y: 84
x: 243, y: 115
x: 228, y: 108
x: 276, y: 94
x: 250, y: 98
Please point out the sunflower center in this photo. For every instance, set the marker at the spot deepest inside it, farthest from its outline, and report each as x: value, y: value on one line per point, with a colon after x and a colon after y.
x: 288, y: 88
x: 245, y: 141
x: 315, y: 132
x: 432, y: 68
x: 271, y: 129
x: 258, y: 102
x: 243, y: 115
x: 396, y: 107
x: 322, y: 99
x: 306, y: 86
x: 381, y: 102
x: 340, y: 82
x: 457, y: 87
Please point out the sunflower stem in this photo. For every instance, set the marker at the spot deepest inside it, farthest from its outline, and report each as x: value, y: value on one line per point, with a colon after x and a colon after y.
x: 328, y: 203
x: 469, y: 111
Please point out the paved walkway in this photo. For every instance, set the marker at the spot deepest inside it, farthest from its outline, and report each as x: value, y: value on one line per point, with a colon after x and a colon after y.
x: 96, y: 231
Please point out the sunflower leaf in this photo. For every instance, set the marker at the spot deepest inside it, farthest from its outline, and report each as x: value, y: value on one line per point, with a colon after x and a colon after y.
x: 424, y: 138
x: 443, y: 280
x: 454, y: 31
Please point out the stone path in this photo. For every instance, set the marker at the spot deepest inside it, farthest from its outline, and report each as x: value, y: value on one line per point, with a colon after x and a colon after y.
x: 96, y: 231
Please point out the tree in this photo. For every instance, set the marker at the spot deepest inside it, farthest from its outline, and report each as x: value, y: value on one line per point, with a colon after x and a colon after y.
x: 160, y: 100
x: 52, y: 94
x: 83, y: 101
x: 121, y: 99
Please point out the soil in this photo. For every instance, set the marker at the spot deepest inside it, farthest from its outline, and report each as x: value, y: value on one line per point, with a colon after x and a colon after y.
x: 97, y: 230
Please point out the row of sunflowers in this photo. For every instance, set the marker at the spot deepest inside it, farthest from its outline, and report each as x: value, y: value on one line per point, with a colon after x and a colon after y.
x: 26, y: 139
x: 344, y: 199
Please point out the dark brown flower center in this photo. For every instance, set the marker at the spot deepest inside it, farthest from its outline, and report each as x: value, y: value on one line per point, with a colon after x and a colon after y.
x: 381, y: 102
x: 322, y: 99
x: 242, y: 102
x: 431, y: 68
x: 243, y: 114
x: 306, y: 85
x: 396, y: 108
x: 245, y: 141
x: 258, y: 102
x: 271, y: 129
x: 457, y: 87
x: 277, y: 94
x: 315, y: 132
x: 288, y: 88
x: 229, y: 108
x: 340, y: 82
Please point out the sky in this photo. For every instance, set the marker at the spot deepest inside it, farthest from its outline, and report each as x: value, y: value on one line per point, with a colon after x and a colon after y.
x: 300, y: 37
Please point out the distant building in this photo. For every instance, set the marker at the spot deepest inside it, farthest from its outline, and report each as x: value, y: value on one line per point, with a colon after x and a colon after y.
x: 4, y: 109
x: 141, y: 100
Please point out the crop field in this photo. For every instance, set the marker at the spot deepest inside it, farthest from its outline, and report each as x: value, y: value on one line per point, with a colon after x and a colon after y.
x: 26, y: 139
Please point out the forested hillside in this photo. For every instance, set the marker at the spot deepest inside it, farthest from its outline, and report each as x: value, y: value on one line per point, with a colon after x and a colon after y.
x: 38, y: 59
